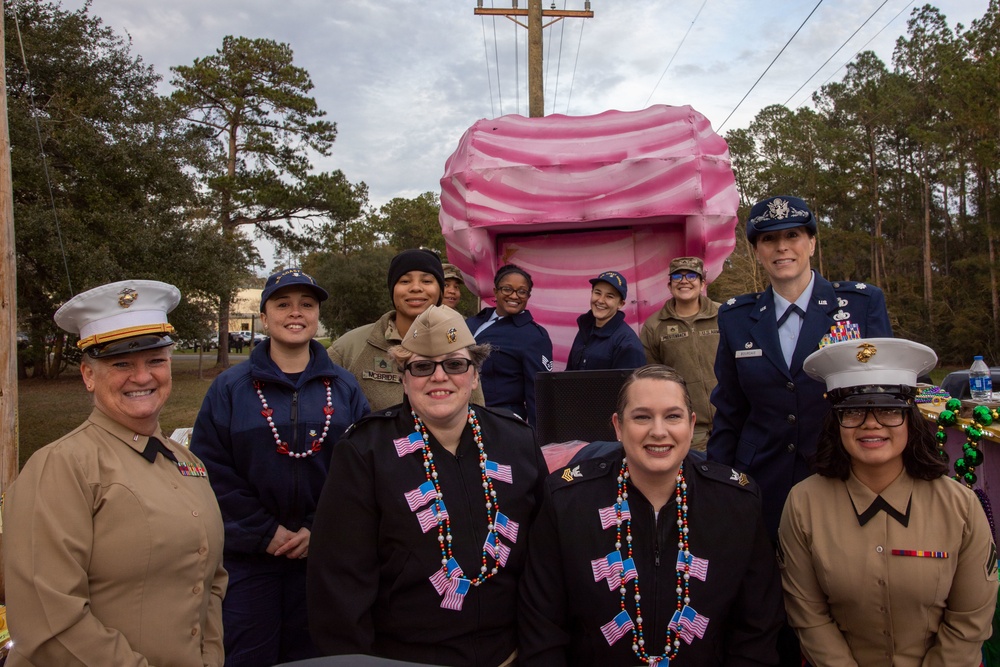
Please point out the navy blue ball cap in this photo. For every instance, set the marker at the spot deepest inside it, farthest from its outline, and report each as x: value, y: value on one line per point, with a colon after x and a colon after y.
x: 614, y: 279
x: 293, y: 276
x: 781, y: 212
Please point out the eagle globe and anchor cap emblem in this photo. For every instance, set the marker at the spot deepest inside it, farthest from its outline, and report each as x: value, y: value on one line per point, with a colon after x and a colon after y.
x: 866, y: 351
x: 127, y: 297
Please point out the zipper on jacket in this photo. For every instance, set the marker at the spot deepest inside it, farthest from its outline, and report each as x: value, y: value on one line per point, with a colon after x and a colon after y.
x: 294, y: 417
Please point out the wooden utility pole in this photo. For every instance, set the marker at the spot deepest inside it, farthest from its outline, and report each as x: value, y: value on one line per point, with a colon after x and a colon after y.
x: 534, y: 14
x: 8, y: 305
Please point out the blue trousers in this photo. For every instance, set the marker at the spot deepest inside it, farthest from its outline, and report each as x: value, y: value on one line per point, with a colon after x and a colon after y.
x: 264, y: 611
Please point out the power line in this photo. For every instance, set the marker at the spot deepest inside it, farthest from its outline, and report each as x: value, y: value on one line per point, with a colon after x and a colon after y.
x: 676, y: 51
x: 486, y: 60
x: 41, y: 148
x: 496, y: 57
x: 572, y: 80
x: 562, y: 33
x: 719, y: 129
x: 891, y: 21
x: 517, y: 73
x: 826, y: 62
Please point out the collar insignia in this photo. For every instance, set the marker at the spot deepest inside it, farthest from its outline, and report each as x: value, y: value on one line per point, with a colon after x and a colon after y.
x: 569, y: 473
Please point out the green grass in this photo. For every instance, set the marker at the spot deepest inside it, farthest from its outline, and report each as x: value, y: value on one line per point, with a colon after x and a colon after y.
x: 49, y: 409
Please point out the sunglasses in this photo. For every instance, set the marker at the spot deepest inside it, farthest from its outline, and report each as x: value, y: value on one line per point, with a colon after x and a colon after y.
x: 855, y: 417
x: 690, y: 276
x: 425, y: 367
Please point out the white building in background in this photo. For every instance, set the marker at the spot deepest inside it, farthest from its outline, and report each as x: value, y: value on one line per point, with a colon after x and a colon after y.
x: 244, y: 313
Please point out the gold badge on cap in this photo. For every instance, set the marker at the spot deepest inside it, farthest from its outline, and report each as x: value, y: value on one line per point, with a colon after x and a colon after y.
x: 452, y: 335
x: 865, y: 352
x: 127, y: 297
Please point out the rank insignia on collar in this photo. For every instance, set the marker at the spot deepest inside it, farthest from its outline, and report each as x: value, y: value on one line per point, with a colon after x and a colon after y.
x: 740, y: 477
x: 570, y: 473
x: 731, y: 301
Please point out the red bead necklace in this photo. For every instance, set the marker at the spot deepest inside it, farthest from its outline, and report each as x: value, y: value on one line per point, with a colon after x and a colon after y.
x: 282, y: 446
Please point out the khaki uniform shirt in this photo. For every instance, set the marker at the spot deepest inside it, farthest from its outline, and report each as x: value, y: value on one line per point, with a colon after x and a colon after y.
x: 364, y: 353
x: 110, y: 559
x: 885, y: 593
x: 688, y: 345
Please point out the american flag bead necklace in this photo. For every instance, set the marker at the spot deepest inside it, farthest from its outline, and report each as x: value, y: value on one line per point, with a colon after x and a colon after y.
x: 683, y: 576
x: 489, y: 494
x: 280, y: 445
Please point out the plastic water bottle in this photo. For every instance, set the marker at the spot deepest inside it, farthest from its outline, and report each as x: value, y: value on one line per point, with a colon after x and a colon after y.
x: 980, y: 382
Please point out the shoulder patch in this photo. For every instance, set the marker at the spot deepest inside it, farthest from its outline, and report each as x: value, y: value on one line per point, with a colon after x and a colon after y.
x: 727, y: 475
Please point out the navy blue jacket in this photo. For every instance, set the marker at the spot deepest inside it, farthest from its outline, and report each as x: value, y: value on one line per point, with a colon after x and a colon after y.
x: 257, y: 488
x: 521, y: 349
x: 768, y: 416
x: 615, y: 345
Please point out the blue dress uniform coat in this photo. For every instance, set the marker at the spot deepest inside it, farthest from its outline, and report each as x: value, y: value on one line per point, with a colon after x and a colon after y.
x: 562, y: 607
x: 768, y: 416
x: 521, y: 349
x: 615, y: 345
x: 370, y: 562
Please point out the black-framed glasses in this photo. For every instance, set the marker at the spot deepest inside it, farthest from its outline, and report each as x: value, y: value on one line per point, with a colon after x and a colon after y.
x: 421, y: 368
x: 690, y: 276
x: 507, y: 290
x: 855, y: 417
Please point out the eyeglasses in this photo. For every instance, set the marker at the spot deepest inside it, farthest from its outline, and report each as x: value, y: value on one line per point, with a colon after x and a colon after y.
x: 855, y: 417
x: 690, y: 276
x: 507, y: 290
x: 425, y: 367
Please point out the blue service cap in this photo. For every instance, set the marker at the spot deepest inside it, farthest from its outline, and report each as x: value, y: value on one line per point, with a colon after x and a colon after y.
x: 293, y: 276
x: 780, y: 212
x: 614, y: 279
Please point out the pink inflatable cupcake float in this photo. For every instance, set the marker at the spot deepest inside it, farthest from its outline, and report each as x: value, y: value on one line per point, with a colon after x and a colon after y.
x: 567, y: 197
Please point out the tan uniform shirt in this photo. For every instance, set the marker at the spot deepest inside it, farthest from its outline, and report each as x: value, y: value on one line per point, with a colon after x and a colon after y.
x: 864, y: 595
x: 364, y: 353
x: 110, y: 559
x: 688, y: 345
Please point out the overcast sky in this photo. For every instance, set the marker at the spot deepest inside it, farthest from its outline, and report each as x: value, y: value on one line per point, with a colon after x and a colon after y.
x: 403, y: 79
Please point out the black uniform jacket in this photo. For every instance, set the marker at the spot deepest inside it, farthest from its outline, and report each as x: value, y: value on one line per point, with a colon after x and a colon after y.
x: 370, y: 563
x: 562, y: 607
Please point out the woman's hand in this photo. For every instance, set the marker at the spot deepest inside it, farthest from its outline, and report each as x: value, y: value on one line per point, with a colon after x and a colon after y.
x: 289, y: 544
